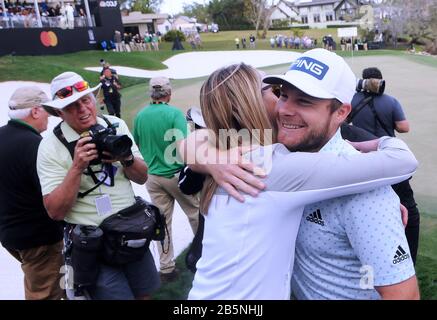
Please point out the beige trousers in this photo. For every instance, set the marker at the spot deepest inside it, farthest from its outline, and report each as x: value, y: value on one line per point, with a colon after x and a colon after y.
x: 163, y: 192
x: 41, y: 267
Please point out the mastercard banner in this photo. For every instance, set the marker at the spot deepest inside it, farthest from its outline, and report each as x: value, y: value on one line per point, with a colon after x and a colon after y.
x: 48, y: 39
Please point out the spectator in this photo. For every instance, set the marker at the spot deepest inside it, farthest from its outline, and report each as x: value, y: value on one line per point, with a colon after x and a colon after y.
x: 155, y: 42
x: 26, y: 230
x: 118, y: 41
x: 69, y: 14
x: 126, y: 42
x: 252, y: 40
x: 272, y: 42
x: 343, y: 44
x: 150, y: 126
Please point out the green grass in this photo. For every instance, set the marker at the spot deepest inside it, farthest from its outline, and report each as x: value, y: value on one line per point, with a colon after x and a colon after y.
x: 179, y: 289
x: 426, y: 265
x: 45, y: 68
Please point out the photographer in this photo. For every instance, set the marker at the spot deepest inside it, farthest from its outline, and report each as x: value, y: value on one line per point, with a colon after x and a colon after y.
x: 105, y: 66
x: 382, y: 115
x: 112, y: 96
x: 87, y: 195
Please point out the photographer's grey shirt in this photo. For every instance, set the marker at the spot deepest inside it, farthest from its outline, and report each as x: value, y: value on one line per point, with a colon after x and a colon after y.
x: 248, y: 248
x: 348, y: 245
x: 387, y: 108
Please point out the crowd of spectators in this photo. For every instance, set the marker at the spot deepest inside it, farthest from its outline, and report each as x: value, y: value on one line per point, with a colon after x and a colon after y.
x: 292, y: 42
x: 23, y: 15
x: 127, y: 42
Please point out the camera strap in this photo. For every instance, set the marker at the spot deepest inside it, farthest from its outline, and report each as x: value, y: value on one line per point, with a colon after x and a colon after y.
x: 378, y: 120
x: 107, y: 171
x: 359, y: 107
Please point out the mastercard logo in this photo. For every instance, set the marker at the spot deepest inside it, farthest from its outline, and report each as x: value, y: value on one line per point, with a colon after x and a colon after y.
x: 49, y: 39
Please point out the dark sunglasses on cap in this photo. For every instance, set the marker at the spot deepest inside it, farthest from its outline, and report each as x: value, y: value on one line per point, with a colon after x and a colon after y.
x: 68, y: 91
x: 276, y: 89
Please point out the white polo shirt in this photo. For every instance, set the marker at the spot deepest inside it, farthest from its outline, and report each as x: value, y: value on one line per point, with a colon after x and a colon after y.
x: 54, y: 161
x: 347, y: 245
x: 248, y: 248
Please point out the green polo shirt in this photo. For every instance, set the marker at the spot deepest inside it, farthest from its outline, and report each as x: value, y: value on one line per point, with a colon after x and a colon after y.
x: 157, y: 127
x: 54, y: 161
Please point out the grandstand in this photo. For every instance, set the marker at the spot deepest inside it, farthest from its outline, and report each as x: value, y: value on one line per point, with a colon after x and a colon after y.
x: 51, y: 27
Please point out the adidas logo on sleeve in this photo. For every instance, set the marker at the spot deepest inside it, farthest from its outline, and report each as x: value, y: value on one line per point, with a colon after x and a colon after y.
x: 400, y: 255
x: 316, y: 217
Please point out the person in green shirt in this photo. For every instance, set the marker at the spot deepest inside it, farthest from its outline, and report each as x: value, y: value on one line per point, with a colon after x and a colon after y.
x: 157, y: 127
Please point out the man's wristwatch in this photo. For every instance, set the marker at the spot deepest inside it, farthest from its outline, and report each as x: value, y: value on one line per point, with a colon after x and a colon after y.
x: 128, y: 162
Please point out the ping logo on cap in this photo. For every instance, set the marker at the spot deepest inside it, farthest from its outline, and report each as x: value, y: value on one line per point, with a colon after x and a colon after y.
x: 310, y: 66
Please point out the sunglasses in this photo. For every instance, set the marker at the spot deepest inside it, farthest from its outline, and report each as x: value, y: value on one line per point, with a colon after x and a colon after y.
x: 68, y: 91
x: 275, y: 88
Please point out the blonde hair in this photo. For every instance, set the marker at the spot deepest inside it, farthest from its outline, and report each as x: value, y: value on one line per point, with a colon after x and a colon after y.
x: 231, y: 99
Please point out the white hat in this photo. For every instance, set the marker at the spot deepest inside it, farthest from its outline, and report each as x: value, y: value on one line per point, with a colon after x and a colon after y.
x: 262, y: 75
x: 27, y: 97
x: 321, y: 74
x: 195, y: 115
x: 63, y: 80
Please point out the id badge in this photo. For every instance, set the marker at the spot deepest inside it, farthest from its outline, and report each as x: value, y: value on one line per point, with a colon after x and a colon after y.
x: 103, y: 205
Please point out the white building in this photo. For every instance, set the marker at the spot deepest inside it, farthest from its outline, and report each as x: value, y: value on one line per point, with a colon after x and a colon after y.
x: 165, y: 26
x: 322, y: 13
x: 285, y: 11
x: 137, y: 22
x: 185, y: 24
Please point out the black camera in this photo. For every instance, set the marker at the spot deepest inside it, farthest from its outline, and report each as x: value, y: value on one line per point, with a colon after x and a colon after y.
x: 106, y: 139
x: 375, y: 86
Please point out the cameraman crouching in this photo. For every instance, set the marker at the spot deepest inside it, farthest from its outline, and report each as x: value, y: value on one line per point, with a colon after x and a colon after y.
x: 84, y: 195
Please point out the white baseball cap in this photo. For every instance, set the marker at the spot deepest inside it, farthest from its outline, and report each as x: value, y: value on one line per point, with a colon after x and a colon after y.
x: 27, y: 97
x: 321, y: 74
x: 64, y: 80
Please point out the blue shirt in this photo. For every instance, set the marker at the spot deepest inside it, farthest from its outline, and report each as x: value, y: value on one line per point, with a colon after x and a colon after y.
x: 347, y: 245
x: 387, y: 108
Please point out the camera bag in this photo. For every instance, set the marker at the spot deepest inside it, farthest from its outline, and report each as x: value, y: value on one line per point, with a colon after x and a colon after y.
x: 127, y: 234
x: 87, y: 246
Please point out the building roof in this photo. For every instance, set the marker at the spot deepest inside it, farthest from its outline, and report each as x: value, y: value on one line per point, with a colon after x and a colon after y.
x: 186, y: 19
x: 351, y: 2
x: 315, y: 3
x: 136, y: 17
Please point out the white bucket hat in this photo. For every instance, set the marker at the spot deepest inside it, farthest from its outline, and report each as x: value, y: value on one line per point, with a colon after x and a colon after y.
x: 64, y: 80
x: 321, y: 74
